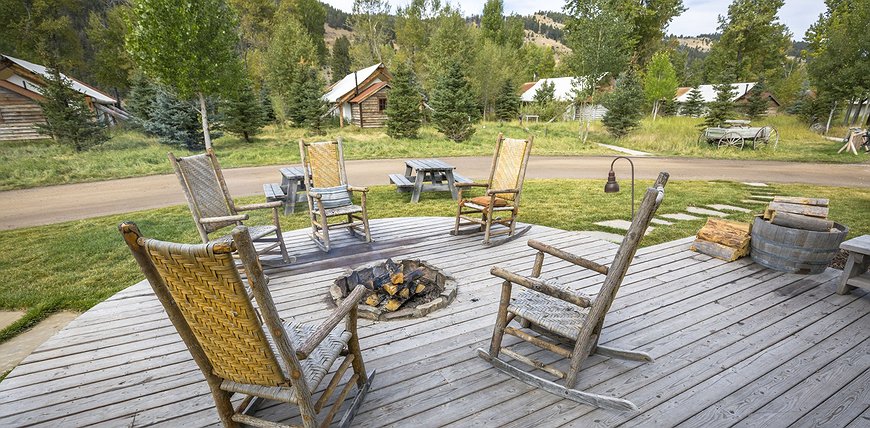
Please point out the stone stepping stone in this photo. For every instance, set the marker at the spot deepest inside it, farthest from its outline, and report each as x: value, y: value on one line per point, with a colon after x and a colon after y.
x: 723, y: 207
x: 680, y: 217
x: 753, y: 201
x: 621, y: 225
x: 604, y: 236
x: 660, y: 221
x: 755, y: 184
x: 705, y: 211
x: 764, y: 197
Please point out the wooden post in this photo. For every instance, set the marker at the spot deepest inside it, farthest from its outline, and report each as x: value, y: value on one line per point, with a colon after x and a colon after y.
x: 130, y: 233
x: 341, y: 115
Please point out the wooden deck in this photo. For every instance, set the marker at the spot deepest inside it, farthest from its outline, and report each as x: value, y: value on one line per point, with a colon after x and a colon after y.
x: 735, y: 344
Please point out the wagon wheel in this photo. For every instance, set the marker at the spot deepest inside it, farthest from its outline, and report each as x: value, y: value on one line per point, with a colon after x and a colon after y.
x: 731, y: 139
x: 766, y: 135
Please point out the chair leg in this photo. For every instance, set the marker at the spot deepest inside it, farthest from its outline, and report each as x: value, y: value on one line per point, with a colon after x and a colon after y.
x: 365, y: 220
x: 458, y: 213
x: 488, y: 228
x: 501, y: 320
x: 280, y: 237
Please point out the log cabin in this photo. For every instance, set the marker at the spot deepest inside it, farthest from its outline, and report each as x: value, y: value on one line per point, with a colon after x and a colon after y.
x: 360, y: 97
x: 20, y: 93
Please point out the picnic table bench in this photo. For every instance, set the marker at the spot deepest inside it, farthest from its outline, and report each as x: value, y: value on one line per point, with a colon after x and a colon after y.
x: 427, y: 175
x: 855, y: 272
x: 292, y: 185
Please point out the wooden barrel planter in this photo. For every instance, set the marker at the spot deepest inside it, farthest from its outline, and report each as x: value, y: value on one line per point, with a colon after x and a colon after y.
x: 795, y: 250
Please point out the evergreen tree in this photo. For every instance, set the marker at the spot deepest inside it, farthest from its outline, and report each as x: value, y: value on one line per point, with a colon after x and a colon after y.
x: 694, y: 105
x: 176, y: 122
x: 403, y: 105
x: 68, y: 119
x: 721, y: 109
x: 756, y: 105
x: 340, y: 62
x: 546, y: 93
x: 294, y: 100
x: 668, y: 107
x: 140, y: 102
x: 507, y: 105
x: 266, y: 102
x: 310, y: 107
x: 623, y: 106
x: 453, y: 103
x: 243, y: 112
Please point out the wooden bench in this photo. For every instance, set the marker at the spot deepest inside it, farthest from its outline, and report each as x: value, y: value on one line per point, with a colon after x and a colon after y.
x: 273, y: 192
x: 855, y: 272
x: 460, y: 179
x: 403, y: 184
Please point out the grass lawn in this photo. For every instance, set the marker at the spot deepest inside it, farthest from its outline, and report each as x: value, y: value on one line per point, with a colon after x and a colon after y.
x: 130, y: 154
x: 76, y: 265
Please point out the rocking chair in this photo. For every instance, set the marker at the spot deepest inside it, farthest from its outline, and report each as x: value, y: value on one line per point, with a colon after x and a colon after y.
x: 245, y: 350
x: 563, y: 316
x: 503, y: 191
x: 329, y: 195
x: 212, y: 206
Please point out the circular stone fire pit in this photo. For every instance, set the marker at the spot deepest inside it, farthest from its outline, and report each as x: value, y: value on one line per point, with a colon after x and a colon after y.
x: 397, y: 289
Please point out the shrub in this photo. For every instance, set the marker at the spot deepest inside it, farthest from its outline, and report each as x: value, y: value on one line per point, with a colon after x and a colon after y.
x: 623, y: 106
x: 67, y: 118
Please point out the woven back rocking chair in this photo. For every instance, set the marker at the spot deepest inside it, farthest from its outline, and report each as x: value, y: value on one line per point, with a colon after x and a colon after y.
x: 500, y: 205
x: 329, y: 194
x: 244, y: 350
x: 565, y: 317
x: 212, y: 206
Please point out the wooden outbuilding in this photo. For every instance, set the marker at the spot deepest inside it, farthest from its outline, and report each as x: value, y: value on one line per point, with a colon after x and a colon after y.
x: 360, y: 97
x: 20, y: 93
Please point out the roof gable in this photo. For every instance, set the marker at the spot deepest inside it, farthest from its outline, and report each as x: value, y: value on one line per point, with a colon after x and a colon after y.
x: 345, y: 87
x: 41, y: 72
x: 371, y: 90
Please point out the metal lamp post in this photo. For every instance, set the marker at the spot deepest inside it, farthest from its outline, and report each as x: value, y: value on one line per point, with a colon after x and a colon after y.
x: 613, y: 187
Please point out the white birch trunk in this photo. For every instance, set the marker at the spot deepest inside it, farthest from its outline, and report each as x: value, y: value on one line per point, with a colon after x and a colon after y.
x: 203, y: 113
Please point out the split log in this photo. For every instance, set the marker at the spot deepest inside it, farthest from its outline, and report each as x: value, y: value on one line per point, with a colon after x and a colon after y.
x: 719, y: 251
x: 728, y: 233
x: 819, y: 202
x: 808, y: 210
x: 797, y: 221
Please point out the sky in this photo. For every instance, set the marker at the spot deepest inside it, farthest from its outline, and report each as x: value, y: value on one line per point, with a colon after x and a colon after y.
x: 701, y: 16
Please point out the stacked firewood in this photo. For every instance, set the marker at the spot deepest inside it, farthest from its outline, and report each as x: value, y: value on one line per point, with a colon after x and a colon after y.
x: 799, y: 213
x: 393, y: 287
x: 723, y: 239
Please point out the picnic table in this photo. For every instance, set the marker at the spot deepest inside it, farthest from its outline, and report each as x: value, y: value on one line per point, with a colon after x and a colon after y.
x: 738, y: 134
x: 292, y: 185
x: 427, y: 175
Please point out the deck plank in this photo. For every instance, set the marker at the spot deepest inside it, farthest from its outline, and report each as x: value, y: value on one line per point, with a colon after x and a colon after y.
x: 707, y: 322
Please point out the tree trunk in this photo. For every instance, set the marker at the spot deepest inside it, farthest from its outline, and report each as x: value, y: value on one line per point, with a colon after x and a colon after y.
x: 655, y: 109
x: 830, y: 116
x: 203, y: 113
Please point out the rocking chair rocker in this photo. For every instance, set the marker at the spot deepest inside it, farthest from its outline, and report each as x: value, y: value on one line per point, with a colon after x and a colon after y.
x: 503, y: 191
x: 564, y: 316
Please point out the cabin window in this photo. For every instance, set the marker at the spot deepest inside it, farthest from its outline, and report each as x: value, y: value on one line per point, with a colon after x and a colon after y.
x: 382, y: 104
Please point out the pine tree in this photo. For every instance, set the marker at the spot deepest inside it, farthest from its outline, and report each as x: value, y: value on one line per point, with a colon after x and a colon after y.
x: 507, y: 104
x: 546, y: 93
x: 694, y: 105
x: 310, y: 105
x: 68, y: 119
x: 340, y: 61
x: 268, y: 109
x: 403, y: 105
x: 668, y: 107
x: 176, y: 122
x: 721, y: 109
x: 140, y: 102
x: 623, y: 106
x: 756, y: 104
x: 294, y: 99
x: 243, y: 112
x: 455, y: 110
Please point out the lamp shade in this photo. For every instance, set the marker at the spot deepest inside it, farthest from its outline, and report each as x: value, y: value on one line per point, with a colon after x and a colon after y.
x: 612, y: 186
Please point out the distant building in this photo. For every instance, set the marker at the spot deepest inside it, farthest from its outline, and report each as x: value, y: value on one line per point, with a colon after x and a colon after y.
x: 360, y: 97
x: 739, y: 95
x: 21, y: 90
x: 565, y: 90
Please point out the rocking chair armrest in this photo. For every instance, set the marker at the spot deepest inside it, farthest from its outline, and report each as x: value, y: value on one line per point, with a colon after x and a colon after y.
x: 358, y: 189
x: 491, y: 192
x: 237, y: 217
x: 260, y: 206
x: 314, y: 195
x: 543, y: 286
x: 470, y: 184
x: 568, y: 257
x: 337, y: 315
